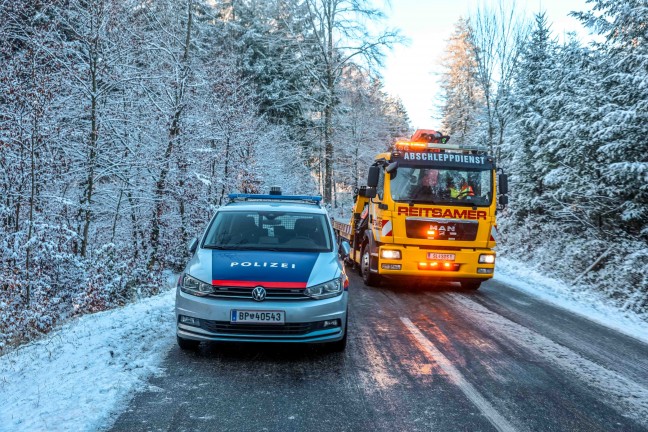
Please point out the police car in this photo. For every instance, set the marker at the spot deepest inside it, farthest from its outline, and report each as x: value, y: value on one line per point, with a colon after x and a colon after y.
x: 267, y: 269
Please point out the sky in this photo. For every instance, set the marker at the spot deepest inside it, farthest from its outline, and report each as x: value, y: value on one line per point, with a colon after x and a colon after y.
x: 411, y: 72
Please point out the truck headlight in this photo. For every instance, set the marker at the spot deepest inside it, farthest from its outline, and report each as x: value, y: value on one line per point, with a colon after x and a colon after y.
x: 390, y: 254
x: 328, y: 289
x: 486, y: 259
x: 191, y: 285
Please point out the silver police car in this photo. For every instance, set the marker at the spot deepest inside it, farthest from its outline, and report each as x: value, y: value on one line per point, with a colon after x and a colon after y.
x: 267, y: 269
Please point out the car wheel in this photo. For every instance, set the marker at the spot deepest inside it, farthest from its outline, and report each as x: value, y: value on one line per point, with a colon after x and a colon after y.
x: 471, y: 284
x: 370, y: 279
x: 188, y: 344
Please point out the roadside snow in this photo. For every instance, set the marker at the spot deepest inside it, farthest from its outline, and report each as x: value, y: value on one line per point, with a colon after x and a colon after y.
x: 590, y: 305
x: 81, y: 374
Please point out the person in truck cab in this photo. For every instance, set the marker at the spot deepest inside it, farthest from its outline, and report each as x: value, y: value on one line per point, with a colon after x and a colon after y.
x: 429, y: 185
x: 464, y: 190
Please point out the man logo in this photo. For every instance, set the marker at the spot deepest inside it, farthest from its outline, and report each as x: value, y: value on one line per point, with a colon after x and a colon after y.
x: 259, y: 293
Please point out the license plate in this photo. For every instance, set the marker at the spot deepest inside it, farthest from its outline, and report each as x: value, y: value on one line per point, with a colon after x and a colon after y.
x: 440, y: 256
x: 256, y: 316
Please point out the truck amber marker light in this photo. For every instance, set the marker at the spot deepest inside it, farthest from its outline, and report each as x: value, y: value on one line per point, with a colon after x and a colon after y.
x: 439, y: 266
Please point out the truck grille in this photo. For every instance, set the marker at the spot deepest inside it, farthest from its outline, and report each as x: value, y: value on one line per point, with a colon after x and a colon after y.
x: 246, y: 293
x: 444, y: 229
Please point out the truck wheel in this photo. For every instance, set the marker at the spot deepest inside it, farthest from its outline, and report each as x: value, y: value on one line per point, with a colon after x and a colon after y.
x: 471, y: 284
x: 370, y: 279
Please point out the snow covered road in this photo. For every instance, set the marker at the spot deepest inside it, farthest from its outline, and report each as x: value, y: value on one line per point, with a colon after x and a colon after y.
x: 419, y: 358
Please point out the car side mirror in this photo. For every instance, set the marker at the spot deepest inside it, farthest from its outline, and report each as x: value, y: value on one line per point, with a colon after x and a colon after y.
x: 345, y: 249
x: 193, y: 245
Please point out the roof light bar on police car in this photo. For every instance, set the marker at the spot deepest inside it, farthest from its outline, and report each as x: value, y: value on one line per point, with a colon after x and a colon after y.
x: 314, y: 199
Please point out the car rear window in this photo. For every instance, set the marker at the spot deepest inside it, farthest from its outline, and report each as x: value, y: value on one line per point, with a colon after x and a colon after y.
x: 269, y: 230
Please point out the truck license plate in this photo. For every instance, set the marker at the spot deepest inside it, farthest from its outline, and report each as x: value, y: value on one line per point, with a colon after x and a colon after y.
x: 440, y: 256
x: 256, y: 316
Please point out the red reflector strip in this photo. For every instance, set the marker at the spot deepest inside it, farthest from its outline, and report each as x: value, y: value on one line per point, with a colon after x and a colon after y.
x: 386, y: 227
x: 237, y: 283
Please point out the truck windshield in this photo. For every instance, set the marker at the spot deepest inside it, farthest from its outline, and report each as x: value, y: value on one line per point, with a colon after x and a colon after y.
x: 442, y: 186
x: 272, y: 231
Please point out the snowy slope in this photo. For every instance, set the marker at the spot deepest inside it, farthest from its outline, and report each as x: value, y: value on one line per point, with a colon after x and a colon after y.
x: 589, y: 304
x: 80, y: 376
x: 77, y: 376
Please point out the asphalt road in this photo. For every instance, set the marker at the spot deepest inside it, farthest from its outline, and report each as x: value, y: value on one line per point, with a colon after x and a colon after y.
x: 419, y: 358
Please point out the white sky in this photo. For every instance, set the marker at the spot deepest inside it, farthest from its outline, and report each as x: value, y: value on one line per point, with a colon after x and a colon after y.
x: 410, y: 71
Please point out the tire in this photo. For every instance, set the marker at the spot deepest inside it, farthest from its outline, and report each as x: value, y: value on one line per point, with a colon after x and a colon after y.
x: 471, y: 284
x: 188, y: 344
x: 370, y: 279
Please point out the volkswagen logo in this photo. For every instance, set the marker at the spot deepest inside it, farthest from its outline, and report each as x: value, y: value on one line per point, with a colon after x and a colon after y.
x: 259, y: 293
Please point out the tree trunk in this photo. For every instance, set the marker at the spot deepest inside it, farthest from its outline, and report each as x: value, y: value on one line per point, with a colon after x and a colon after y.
x: 330, y: 100
x: 328, y: 153
x: 92, y: 155
x: 32, y: 200
x: 114, y: 225
x: 174, y: 132
x: 137, y: 233
x: 225, y: 170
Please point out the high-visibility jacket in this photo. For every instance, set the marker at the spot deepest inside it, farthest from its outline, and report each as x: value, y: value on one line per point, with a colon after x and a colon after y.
x: 464, y: 191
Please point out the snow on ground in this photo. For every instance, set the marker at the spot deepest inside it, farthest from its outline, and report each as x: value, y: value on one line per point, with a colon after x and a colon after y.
x: 590, y: 305
x: 78, y: 376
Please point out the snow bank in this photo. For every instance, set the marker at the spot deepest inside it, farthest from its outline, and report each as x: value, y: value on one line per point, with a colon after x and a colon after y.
x: 79, y: 375
x: 588, y: 303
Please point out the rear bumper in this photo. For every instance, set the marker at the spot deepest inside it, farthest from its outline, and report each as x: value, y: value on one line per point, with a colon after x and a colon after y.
x: 467, y: 261
x: 303, y: 320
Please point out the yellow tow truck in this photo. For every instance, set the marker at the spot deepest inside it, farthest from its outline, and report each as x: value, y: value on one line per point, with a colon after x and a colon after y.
x: 427, y: 211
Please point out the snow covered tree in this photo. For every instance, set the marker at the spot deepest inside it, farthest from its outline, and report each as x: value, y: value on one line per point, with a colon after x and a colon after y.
x: 497, y: 35
x: 624, y: 124
x: 28, y: 82
x: 526, y: 151
x: 463, y: 99
x: 125, y: 124
x: 576, y: 154
x: 362, y: 127
x: 339, y: 35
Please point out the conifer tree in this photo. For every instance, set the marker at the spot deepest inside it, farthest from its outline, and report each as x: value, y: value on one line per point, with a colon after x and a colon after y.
x: 624, y: 124
x: 463, y: 99
x: 525, y: 151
